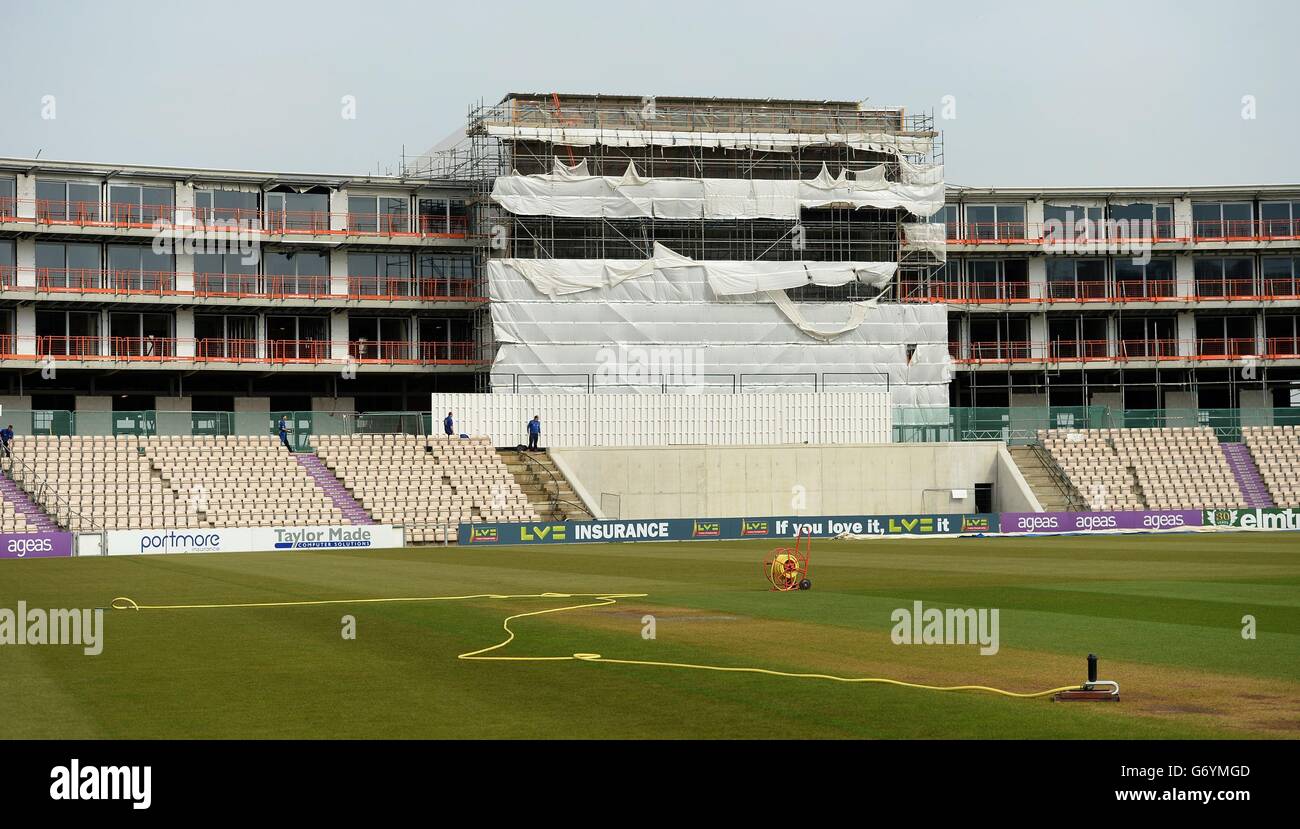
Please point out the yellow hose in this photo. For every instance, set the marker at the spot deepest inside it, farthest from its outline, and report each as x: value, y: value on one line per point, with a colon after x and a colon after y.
x: 602, y: 600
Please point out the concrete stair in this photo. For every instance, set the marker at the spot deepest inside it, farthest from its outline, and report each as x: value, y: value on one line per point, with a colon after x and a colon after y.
x: 542, y: 482
x: 35, y: 517
x: 1040, y: 480
x: 1247, y: 474
x: 329, y: 483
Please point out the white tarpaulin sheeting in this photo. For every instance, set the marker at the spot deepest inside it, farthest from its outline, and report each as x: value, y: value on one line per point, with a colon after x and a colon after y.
x: 891, y: 143
x: 558, y: 277
x: 931, y: 237
x: 570, y: 192
x: 669, y: 325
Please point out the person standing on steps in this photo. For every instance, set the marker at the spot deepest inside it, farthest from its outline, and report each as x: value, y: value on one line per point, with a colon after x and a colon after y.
x: 283, y: 427
x: 534, y: 432
x: 447, y: 425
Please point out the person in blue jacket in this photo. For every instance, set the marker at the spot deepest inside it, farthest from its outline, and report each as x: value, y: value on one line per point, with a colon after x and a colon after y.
x: 447, y: 425
x: 283, y: 426
x: 6, y: 436
x: 534, y: 431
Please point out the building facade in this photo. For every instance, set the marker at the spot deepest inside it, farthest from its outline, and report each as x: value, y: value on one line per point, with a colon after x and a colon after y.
x: 137, y: 288
x: 155, y: 288
x: 1134, y: 298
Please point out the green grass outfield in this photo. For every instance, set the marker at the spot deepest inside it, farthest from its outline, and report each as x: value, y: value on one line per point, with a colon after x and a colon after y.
x: 1164, y: 613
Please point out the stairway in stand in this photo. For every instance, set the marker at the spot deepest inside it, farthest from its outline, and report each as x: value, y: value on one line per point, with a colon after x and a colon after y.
x: 36, y: 517
x: 333, y: 487
x: 1247, y: 475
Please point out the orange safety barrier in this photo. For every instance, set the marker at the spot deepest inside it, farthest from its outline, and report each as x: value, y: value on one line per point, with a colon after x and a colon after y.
x: 262, y: 222
x: 1082, y: 351
x: 1153, y: 290
x: 253, y: 286
x: 113, y: 349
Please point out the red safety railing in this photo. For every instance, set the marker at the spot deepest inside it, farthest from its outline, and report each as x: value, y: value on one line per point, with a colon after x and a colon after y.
x: 228, y: 285
x: 1079, y: 291
x: 1282, y: 346
x: 273, y: 222
x: 1146, y: 291
x: 273, y: 351
x: 100, y: 281
x: 84, y: 280
x: 1072, y: 350
x: 412, y: 287
x: 1152, y: 290
x: 1226, y: 289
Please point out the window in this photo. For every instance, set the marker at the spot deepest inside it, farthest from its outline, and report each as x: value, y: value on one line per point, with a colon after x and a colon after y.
x: 140, y: 335
x: 224, y: 207
x: 139, y: 205
x: 67, y: 201
x: 1077, y: 338
x: 999, y: 338
x: 379, y: 338
x: 378, y: 214
x: 1135, y: 280
x: 1225, y: 336
x: 995, y: 221
x: 301, y: 273
x: 379, y: 274
x: 444, y: 275
x: 1281, y: 334
x: 67, y: 267
x: 1279, y: 219
x: 1147, y: 337
x: 1142, y: 220
x: 1076, y: 278
x: 289, y: 208
x: 445, y: 338
x: 8, y: 275
x: 297, y: 338
x: 8, y: 197
x: 1280, y: 275
x: 8, y: 341
x: 949, y: 218
x: 1222, y: 220
x: 1076, y: 222
x: 225, y: 336
x: 139, y: 268
x: 224, y: 274
x: 1224, y: 276
x: 67, y: 333
x: 997, y: 279
x: 443, y: 217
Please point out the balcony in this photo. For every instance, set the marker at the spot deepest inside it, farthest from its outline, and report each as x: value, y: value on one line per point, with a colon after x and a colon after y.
x: 1105, y: 291
x: 239, y: 286
x: 1087, y: 351
x: 1115, y: 233
x: 235, y: 351
x: 260, y: 222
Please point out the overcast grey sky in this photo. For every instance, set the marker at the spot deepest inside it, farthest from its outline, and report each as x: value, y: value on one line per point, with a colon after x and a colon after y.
x: 1096, y: 93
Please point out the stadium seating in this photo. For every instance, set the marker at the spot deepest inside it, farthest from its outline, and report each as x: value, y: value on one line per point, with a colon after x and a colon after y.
x: 1166, y: 468
x: 128, y: 482
x: 1090, y: 462
x: 1276, y: 452
x: 428, y: 484
x: 1181, y: 467
x: 11, y: 521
